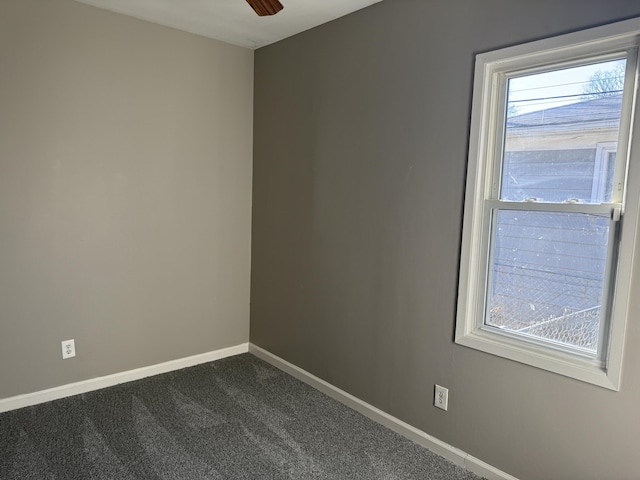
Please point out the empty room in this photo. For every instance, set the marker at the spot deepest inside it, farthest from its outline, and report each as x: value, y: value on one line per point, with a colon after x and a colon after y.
x: 343, y: 239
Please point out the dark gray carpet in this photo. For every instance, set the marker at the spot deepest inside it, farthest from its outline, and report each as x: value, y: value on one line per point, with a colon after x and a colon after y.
x: 237, y: 418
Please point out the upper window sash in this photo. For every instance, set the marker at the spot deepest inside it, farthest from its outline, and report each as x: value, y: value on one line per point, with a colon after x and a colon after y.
x: 499, y: 75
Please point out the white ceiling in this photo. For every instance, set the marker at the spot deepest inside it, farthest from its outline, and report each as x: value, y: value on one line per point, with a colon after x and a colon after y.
x: 234, y: 21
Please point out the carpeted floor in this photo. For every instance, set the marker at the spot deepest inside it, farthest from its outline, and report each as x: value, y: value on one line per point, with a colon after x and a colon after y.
x: 237, y: 418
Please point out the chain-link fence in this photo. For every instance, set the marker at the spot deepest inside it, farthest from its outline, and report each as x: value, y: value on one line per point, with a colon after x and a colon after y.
x: 554, y: 306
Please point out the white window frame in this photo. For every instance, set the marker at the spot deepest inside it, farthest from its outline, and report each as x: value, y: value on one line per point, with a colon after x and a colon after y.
x: 600, y: 168
x: 485, y: 145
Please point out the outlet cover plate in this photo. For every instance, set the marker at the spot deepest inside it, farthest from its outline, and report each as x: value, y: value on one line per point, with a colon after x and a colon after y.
x: 68, y: 349
x: 441, y: 397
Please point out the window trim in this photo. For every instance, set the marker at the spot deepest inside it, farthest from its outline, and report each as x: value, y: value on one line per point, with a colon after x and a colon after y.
x: 486, y: 119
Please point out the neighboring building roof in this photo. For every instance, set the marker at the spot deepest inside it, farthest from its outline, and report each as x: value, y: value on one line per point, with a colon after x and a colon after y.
x: 601, y: 112
x: 604, y: 110
x: 574, y: 126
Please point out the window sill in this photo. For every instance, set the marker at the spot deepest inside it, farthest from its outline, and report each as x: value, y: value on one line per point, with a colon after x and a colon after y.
x: 570, y: 365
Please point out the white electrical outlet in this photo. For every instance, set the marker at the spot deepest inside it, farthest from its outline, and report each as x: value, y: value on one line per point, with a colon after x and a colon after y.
x: 441, y: 397
x: 68, y: 349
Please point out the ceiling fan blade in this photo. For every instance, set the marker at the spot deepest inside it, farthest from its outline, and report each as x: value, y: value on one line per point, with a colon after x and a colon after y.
x: 265, y: 7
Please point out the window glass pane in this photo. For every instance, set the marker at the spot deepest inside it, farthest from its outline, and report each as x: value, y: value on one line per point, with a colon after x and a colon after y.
x: 548, y: 275
x: 555, y: 122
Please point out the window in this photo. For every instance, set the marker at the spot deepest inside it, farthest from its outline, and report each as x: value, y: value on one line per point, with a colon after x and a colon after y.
x: 552, y: 203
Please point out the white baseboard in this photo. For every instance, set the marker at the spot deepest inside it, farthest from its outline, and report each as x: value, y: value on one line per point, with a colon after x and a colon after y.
x: 451, y: 453
x: 20, y: 401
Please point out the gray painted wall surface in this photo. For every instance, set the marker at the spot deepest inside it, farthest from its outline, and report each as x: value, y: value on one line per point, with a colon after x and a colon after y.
x: 360, y: 146
x: 125, y: 193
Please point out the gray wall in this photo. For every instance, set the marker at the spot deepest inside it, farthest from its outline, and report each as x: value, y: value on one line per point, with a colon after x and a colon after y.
x: 125, y: 193
x: 360, y: 149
